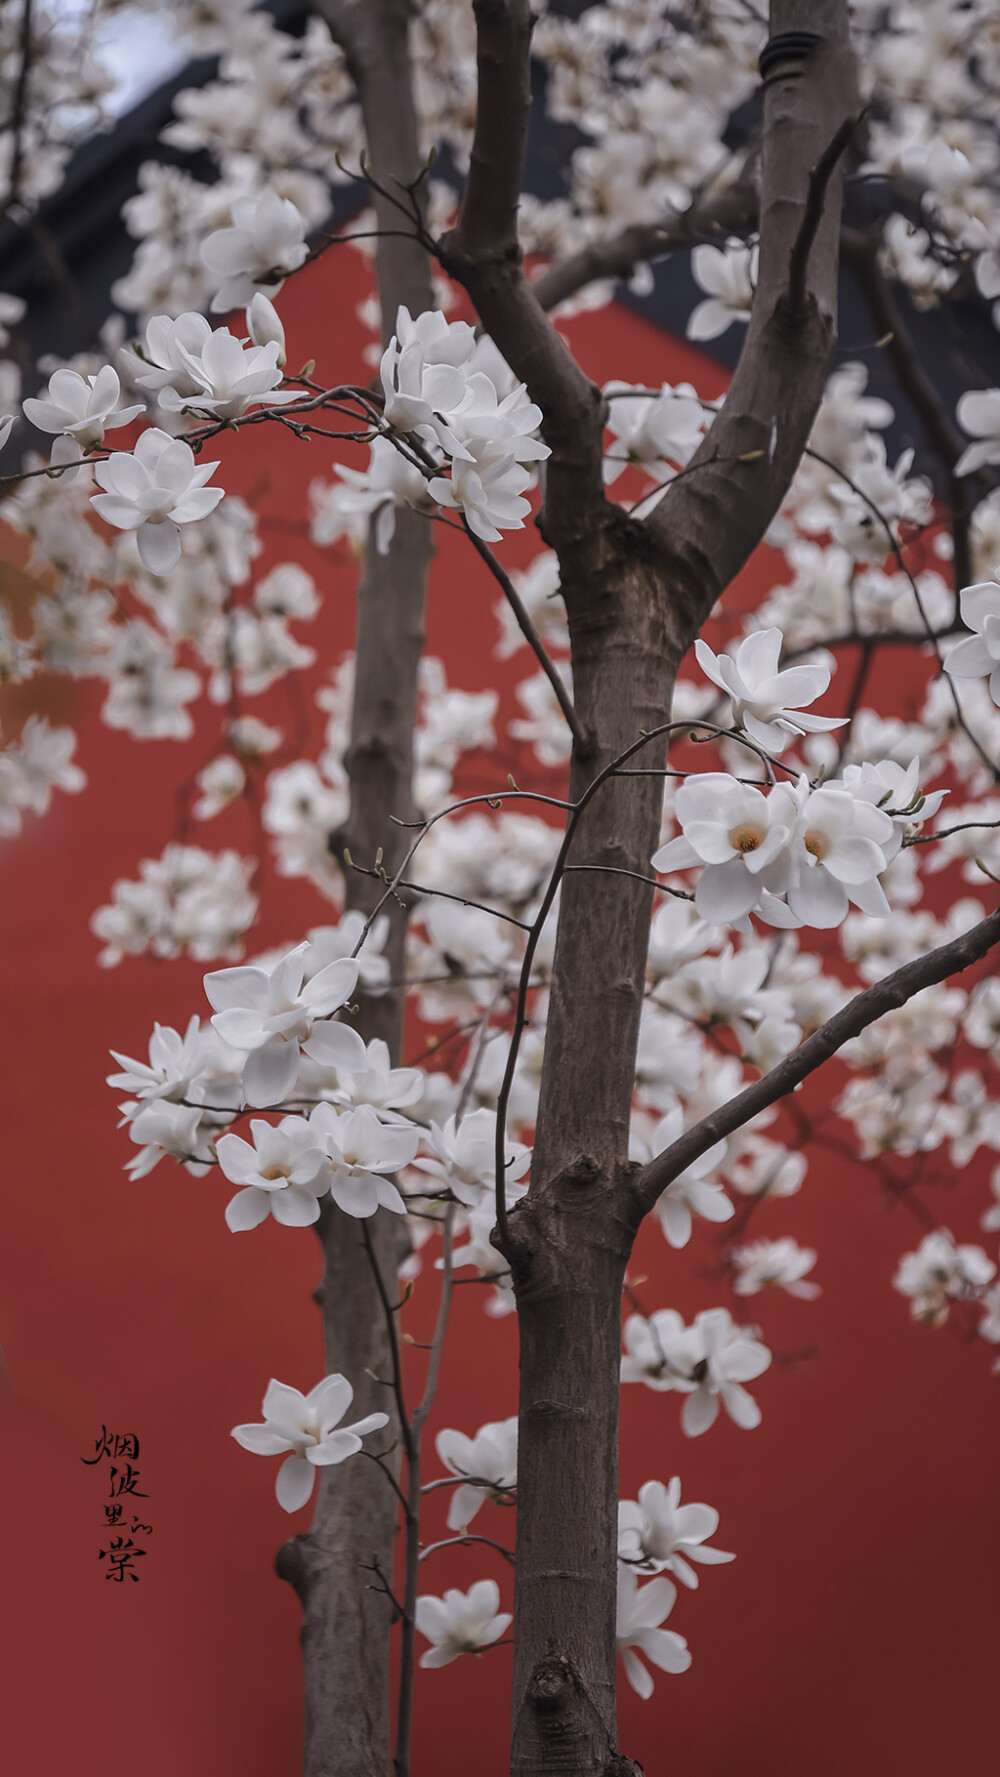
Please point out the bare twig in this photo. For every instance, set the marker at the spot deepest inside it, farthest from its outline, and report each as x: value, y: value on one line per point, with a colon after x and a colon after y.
x: 894, y: 990
x: 819, y: 179
x: 860, y: 252
x: 404, y: 1718
x: 530, y: 635
x: 454, y: 1542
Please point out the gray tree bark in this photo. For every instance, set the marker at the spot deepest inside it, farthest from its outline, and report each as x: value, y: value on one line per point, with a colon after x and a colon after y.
x: 347, y: 1619
x: 636, y: 596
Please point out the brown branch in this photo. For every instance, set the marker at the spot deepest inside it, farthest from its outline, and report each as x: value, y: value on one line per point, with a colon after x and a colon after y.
x: 453, y: 1542
x: 710, y: 523
x: 710, y: 219
x: 819, y: 179
x: 20, y: 108
x: 894, y: 990
x: 483, y: 255
x: 859, y: 251
x: 530, y: 635
x: 404, y: 1718
x: 932, y: 635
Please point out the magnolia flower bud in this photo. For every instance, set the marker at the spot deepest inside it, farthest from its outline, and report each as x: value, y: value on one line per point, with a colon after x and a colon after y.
x: 264, y: 326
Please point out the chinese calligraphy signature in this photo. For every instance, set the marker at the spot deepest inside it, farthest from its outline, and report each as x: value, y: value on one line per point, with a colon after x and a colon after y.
x: 120, y: 1452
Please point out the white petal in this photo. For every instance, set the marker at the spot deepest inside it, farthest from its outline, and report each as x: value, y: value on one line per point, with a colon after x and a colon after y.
x: 269, y: 1073
x: 294, y: 1483
x: 248, y: 1209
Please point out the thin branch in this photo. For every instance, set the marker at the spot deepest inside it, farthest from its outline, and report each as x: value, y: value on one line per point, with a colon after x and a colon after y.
x: 530, y: 635
x: 20, y: 108
x: 383, y: 1586
x: 615, y: 870
x: 732, y: 211
x: 453, y: 1542
x: 467, y: 1480
x: 390, y: 1477
x: 894, y: 990
x: 483, y: 254
x: 422, y: 888
x: 404, y: 1717
x: 390, y: 1321
x: 930, y: 632
x: 860, y: 252
x: 963, y: 827
x: 819, y: 179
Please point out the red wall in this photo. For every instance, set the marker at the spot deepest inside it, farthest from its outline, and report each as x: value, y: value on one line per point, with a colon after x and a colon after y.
x: 854, y: 1632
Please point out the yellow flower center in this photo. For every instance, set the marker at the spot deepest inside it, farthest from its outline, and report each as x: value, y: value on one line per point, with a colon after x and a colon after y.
x: 816, y: 844
x: 744, y: 839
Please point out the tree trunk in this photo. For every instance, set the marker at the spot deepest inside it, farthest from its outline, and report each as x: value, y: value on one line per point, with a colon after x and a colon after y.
x: 569, y: 1240
x: 636, y: 596
x: 345, y: 1633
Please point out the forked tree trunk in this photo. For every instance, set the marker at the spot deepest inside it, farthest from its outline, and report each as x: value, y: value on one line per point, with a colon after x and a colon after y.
x: 636, y: 596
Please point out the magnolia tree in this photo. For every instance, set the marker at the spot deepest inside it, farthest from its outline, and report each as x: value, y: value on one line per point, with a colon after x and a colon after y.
x: 717, y: 890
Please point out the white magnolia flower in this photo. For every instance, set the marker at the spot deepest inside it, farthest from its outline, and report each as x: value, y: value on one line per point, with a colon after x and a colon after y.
x: 767, y: 702
x: 273, y: 1012
x: 676, y: 936
x: 509, y: 421
x: 265, y: 244
x: 895, y: 789
x: 197, y: 1067
x: 43, y: 758
x: 729, y: 988
x: 173, y: 1064
x: 692, y: 1192
x: 707, y: 1361
x: 906, y: 252
x: 152, y: 491
x: 989, y: 1325
x: 641, y: 1610
x: 774, y: 1264
x: 486, y: 484
x: 464, y: 1157
x: 979, y: 415
x: 978, y: 656
x: 327, y: 943
x: 990, y: 1219
x: 656, y: 1532
x: 729, y: 276
x: 309, y: 1427
x: 652, y: 431
x: 163, y: 359
x: 385, y: 1088
x: 359, y: 1147
x: 282, y: 1174
x: 264, y: 326
x: 480, y: 1252
x: 939, y: 1272
x: 837, y: 855
x: 162, y: 1127
x: 490, y: 1456
x: 420, y: 374
x: 83, y: 408
x: 222, y: 781
x: 228, y: 378
x: 736, y: 832
x: 461, y: 1622
x: 423, y: 369
x: 367, y: 496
